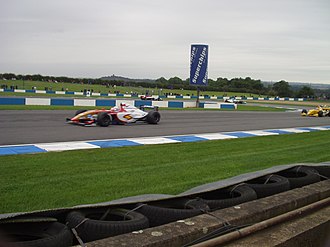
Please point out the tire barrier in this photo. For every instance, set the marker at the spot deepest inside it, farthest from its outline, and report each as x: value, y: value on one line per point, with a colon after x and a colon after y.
x: 163, y: 212
x: 324, y: 171
x: 85, y: 223
x: 224, y: 198
x: 35, y: 234
x: 93, y: 224
x: 269, y: 185
x: 300, y: 176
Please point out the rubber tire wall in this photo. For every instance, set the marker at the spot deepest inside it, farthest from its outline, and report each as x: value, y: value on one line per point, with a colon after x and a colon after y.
x: 113, y: 224
x: 269, y: 185
x: 228, y: 197
x: 323, y: 170
x: 37, y: 234
x: 300, y: 176
x: 164, y: 212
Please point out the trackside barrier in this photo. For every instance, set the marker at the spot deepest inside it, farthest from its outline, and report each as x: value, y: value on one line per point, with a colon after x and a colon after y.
x: 83, y: 224
x: 155, y: 96
x: 110, y: 103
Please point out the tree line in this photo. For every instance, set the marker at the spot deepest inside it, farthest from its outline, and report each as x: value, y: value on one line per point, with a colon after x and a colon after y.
x: 242, y: 85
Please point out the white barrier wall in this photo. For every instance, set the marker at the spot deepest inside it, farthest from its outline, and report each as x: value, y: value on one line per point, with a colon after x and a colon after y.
x: 160, y: 103
x: 84, y: 102
x: 109, y: 102
x: 188, y: 104
x: 37, y: 101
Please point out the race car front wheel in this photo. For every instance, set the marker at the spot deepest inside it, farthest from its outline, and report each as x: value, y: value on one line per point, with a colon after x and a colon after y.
x: 103, y: 119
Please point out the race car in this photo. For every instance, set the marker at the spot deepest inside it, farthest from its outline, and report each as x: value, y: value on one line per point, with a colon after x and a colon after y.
x: 319, y: 111
x: 235, y: 101
x: 116, y: 115
x: 146, y: 97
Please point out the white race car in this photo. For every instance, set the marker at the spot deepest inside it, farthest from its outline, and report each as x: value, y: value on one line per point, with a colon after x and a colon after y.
x: 124, y: 114
x: 235, y: 101
x: 146, y: 97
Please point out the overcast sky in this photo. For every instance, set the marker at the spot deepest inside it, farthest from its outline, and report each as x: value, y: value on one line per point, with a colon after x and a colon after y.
x: 269, y: 40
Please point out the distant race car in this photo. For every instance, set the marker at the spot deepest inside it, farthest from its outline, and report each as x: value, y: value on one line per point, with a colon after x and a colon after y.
x: 124, y: 114
x: 235, y: 101
x: 320, y: 111
x: 145, y: 97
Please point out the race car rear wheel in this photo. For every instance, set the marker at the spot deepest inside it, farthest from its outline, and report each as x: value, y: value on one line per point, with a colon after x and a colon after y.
x: 320, y: 113
x: 103, y: 119
x: 153, y: 117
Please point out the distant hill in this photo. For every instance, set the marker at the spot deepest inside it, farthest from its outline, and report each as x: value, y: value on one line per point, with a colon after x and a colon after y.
x: 124, y: 79
x: 302, y: 84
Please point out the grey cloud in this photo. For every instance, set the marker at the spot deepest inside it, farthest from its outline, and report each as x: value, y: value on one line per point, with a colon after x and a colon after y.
x: 264, y: 39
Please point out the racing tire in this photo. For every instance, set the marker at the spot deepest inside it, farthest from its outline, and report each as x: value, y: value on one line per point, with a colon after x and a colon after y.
x: 269, y: 185
x: 103, y: 119
x: 228, y: 197
x: 163, y: 212
x: 79, y: 111
x: 300, y: 176
x: 36, y: 234
x: 324, y: 171
x: 93, y: 224
x: 153, y: 117
x: 304, y: 111
x: 320, y: 113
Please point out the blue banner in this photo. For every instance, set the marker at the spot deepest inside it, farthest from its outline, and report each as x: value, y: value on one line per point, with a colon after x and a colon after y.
x: 198, y: 64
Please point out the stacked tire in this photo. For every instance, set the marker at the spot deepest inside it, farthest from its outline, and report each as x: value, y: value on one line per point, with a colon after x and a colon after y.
x: 228, y: 197
x: 163, y: 212
x: 324, y: 171
x: 300, y: 176
x: 93, y: 224
x: 35, y: 233
x: 269, y: 185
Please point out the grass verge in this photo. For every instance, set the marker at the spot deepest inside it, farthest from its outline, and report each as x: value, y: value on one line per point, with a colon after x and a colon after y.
x: 41, y: 85
x: 52, y: 180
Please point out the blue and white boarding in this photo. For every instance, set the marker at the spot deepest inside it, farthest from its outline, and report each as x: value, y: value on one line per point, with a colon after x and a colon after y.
x: 198, y: 65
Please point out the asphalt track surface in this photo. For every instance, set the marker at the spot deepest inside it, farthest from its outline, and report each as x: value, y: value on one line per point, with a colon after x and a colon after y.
x: 45, y: 126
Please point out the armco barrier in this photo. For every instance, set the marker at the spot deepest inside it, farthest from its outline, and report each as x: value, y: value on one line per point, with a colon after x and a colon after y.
x: 110, y: 102
x: 207, y: 97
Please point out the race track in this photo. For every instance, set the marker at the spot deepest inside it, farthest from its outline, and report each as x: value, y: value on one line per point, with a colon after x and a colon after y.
x: 25, y: 127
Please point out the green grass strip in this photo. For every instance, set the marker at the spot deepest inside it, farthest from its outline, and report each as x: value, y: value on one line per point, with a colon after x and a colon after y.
x: 52, y: 180
x: 74, y: 87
